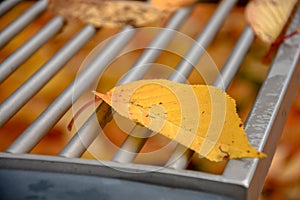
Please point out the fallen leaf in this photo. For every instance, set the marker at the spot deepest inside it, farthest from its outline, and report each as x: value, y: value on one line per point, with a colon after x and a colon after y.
x: 268, y: 17
x: 200, y: 117
x: 109, y: 13
x: 171, y: 5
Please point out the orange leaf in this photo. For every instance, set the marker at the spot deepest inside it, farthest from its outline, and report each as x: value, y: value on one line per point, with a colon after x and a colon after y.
x: 171, y: 5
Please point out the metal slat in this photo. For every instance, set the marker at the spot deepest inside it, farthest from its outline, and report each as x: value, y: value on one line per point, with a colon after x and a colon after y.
x: 150, y: 54
x: 237, y: 56
x: 89, y: 131
x: 11, y: 63
x: 16, y: 26
x: 26, y: 91
x: 130, y: 147
x: 40, y: 127
x: 181, y: 156
x: 7, y: 5
x: 192, y: 57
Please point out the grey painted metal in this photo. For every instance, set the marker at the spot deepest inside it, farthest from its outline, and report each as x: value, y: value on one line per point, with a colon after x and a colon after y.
x: 192, y: 57
x: 23, y: 184
x: 11, y: 63
x: 157, y: 175
x: 28, y: 89
x: 181, y: 156
x: 16, y: 26
x: 132, y: 144
x: 7, y: 5
x: 89, y: 131
x: 266, y: 120
x: 40, y: 127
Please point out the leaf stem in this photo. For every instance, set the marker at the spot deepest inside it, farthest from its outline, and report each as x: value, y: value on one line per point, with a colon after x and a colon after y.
x: 81, y: 109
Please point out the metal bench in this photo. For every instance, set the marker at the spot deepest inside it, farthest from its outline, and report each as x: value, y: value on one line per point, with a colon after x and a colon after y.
x: 66, y: 176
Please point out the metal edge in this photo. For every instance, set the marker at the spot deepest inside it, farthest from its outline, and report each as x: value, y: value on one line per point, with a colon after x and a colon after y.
x: 184, y: 179
x: 266, y: 121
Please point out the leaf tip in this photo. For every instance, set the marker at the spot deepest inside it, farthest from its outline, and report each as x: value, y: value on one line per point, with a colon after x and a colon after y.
x: 261, y: 155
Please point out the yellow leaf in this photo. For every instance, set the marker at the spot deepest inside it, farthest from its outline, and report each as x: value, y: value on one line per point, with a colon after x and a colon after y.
x: 200, y: 117
x: 268, y: 17
x: 109, y: 13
